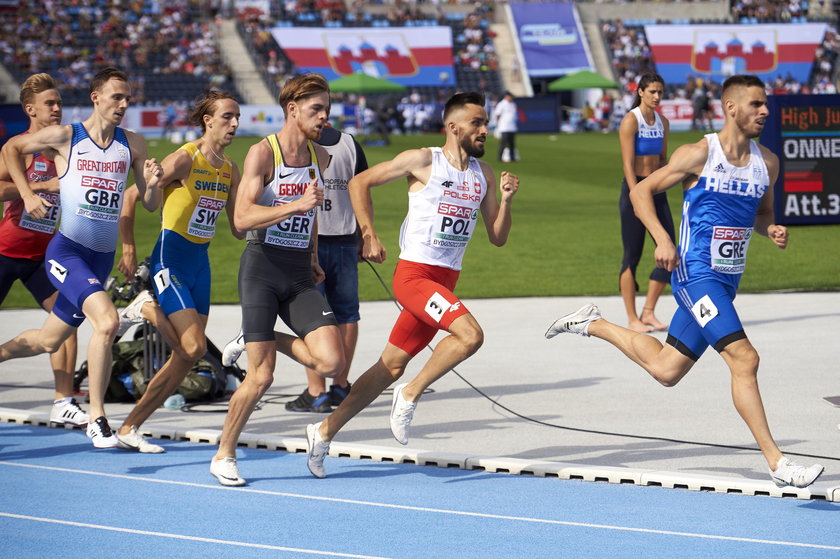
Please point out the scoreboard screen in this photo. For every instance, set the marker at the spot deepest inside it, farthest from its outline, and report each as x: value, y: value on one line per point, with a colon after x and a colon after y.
x: 804, y: 132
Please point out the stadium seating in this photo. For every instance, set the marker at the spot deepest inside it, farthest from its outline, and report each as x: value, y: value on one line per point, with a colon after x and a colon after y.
x: 167, y: 48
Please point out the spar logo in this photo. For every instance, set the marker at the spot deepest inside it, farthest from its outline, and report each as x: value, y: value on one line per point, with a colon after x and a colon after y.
x: 284, y: 202
x: 102, y: 183
x: 457, y: 211
x: 732, y: 234
x: 211, y: 204
x: 52, y: 197
x: 203, y: 222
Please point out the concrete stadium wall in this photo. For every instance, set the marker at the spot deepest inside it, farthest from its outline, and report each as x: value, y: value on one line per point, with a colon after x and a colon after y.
x: 591, y: 12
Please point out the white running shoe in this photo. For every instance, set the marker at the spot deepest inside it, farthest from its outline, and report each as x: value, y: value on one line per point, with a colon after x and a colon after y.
x: 100, y: 433
x: 575, y: 323
x: 402, y: 412
x: 68, y: 412
x: 226, y: 471
x: 233, y: 350
x: 789, y: 472
x: 131, y: 314
x: 135, y: 441
x: 316, y: 449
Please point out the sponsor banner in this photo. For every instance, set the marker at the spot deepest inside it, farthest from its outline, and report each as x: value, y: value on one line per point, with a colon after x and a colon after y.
x: 552, y: 38
x: 255, y: 120
x: 719, y: 51
x: 406, y: 55
x: 804, y: 132
x: 680, y: 114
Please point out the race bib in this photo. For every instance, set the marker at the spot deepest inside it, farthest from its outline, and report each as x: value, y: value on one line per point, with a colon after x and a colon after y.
x: 454, y: 225
x: 294, y: 232
x: 58, y: 271
x: 49, y: 222
x: 162, y: 280
x: 436, y: 306
x: 203, y: 220
x: 729, y: 249
x: 102, y: 198
x: 704, y: 310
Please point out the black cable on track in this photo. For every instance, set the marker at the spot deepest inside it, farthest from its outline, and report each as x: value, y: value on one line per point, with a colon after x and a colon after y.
x: 593, y: 431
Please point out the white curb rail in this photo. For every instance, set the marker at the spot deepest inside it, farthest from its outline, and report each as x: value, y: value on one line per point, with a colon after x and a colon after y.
x: 494, y: 464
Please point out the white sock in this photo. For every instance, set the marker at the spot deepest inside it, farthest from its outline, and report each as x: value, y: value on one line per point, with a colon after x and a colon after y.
x: 61, y: 401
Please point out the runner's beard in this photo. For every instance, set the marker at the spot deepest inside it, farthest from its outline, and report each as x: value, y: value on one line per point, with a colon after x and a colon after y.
x: 310, y: 133
x: 472, y: 150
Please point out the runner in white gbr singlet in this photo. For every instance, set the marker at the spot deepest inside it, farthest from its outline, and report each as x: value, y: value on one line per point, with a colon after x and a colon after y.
x: 93, y: 159
x: 92, y: 189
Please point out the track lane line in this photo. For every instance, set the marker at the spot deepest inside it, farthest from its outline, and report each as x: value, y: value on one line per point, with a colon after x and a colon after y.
x: 185, y: 537
x: 432, y: 510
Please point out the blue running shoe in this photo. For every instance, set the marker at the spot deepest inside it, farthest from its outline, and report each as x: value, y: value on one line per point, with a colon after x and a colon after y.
x: 309, y: 403
x: 338, y: 394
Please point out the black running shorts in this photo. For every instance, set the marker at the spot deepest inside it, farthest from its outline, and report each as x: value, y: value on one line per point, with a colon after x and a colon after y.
x: 278, y: 282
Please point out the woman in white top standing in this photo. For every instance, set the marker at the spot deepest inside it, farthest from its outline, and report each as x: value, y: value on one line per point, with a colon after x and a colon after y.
x: 643, y: 136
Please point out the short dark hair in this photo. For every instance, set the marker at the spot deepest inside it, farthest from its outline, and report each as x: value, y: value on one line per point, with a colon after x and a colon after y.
x: 105, y: 74
x: 461, y: 99
x: 741, y: 80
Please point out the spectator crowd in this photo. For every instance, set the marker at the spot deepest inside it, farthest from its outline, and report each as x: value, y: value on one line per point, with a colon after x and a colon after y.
x: 72, y: 39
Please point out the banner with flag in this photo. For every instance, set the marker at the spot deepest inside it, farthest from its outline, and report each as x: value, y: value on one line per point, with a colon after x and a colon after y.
x: 719, y: 51
x: 411, y: 56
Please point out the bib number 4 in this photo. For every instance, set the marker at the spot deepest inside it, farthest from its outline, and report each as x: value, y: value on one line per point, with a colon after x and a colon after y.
x: 704, y: 310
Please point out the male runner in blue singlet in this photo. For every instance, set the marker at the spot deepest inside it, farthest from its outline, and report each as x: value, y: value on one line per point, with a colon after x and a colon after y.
x: 728, y: 183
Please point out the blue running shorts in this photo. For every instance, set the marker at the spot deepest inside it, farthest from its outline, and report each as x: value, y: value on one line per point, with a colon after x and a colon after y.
x: 77, y: 272
x: 181, y: 274
x: 705, y: 317
x: 338, y: 256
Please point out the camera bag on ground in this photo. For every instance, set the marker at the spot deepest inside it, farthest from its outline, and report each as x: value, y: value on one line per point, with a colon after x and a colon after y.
x: 206, y: 380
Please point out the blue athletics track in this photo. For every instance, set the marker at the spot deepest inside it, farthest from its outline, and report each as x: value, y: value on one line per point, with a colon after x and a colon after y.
x: 679, y: 473
x: 60, y: 496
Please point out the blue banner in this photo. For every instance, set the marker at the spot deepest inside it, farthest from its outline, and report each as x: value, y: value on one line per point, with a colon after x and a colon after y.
x: 13, y: 121
x: 552, y: 38
x: 538, y: 114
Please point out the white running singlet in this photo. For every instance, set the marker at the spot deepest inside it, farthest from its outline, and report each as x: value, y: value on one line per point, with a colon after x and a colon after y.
x: 335, y: 216
x: 92, y: 190
x: 286, y: 185
x: 443, y: 215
